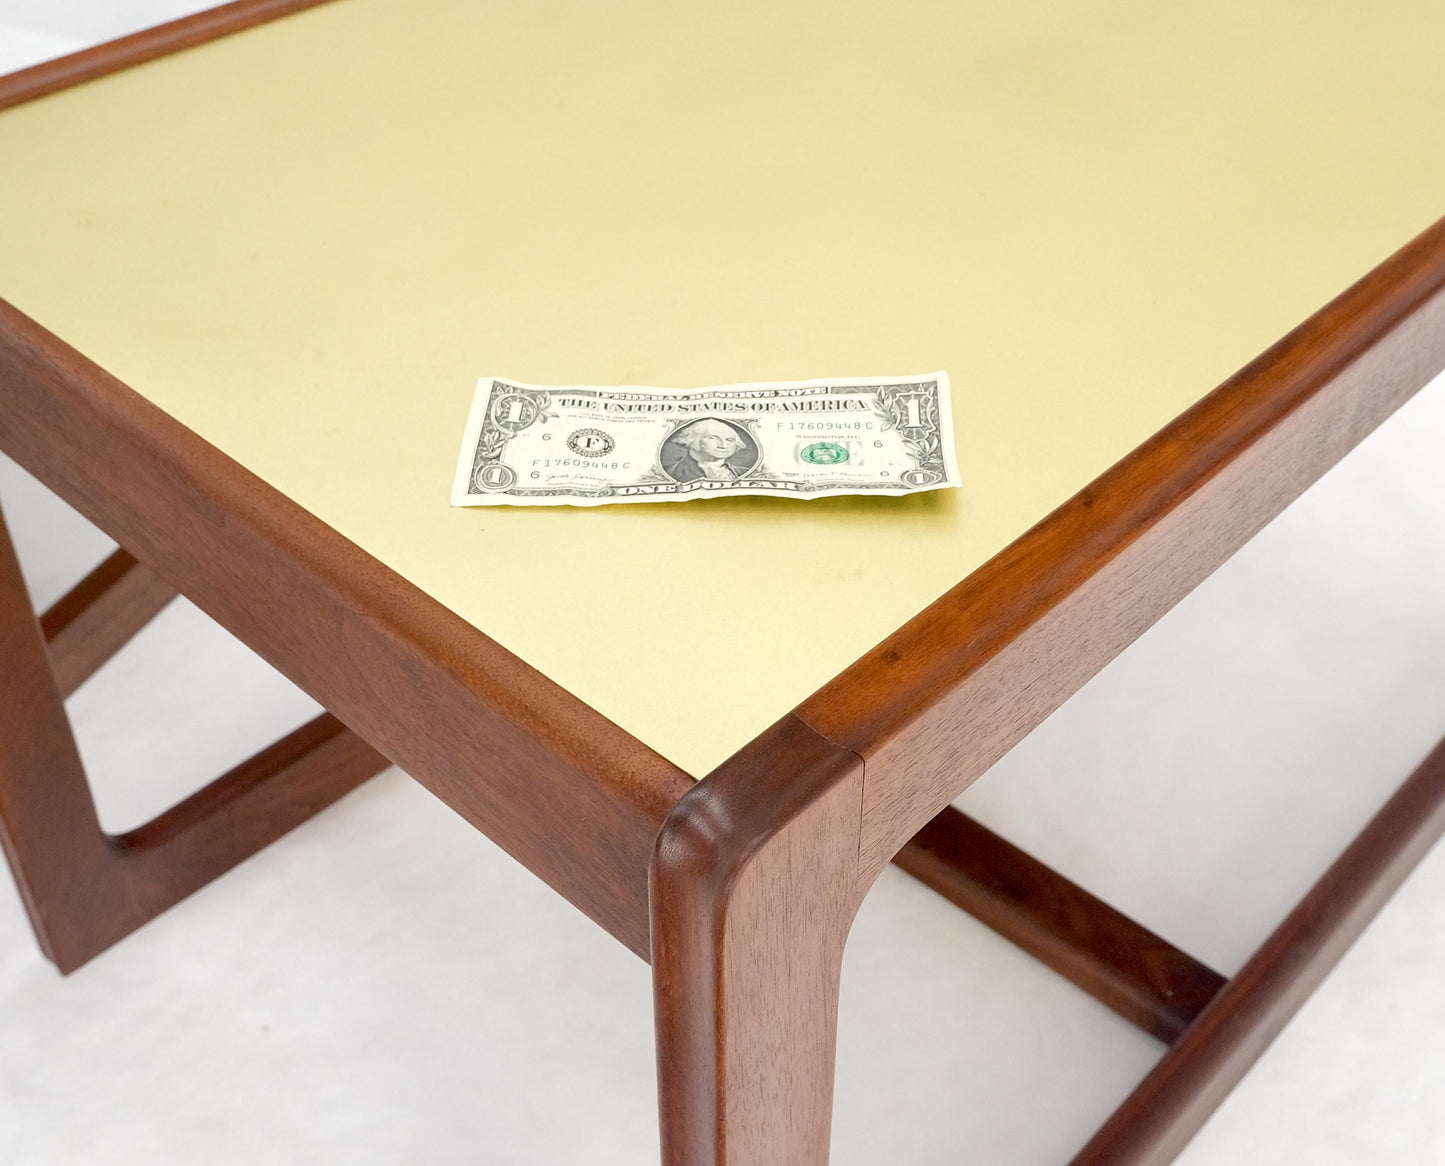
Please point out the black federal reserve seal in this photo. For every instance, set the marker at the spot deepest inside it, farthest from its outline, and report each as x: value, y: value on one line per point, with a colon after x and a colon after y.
x: 590, y: 442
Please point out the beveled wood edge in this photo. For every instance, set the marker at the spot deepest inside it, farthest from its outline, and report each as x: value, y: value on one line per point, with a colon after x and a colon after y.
x: 158, y: 41
x: 937, y: 666
x: 753, y: 889
x: 632, y: 786
x: 927, y: 711
x: 572, y: 796
x: 1193, y: 1078
x: 903, y: 699
x: 940, y: 700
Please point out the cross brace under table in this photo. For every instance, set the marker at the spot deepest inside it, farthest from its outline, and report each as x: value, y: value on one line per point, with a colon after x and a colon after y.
x: 85, y: 890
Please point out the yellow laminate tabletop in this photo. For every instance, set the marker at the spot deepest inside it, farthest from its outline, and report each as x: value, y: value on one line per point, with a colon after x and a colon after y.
x: 308, y: 240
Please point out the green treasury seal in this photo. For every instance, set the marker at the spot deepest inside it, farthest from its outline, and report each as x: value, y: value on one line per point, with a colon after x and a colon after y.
x: 824, y: 453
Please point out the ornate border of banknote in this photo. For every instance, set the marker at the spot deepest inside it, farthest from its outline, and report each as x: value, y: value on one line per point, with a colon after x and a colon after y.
x: 587, y: 445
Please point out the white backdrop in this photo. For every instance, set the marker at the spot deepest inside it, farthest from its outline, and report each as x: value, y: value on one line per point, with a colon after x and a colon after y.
x: 384, y: 987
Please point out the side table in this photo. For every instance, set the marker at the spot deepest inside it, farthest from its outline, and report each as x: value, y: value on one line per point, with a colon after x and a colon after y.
x: 252, y: 282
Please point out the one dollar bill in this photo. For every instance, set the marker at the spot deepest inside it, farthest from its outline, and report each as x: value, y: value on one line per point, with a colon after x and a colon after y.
x: 586, y: 445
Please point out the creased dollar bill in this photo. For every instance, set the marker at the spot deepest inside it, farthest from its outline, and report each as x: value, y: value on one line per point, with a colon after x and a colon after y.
x: 584, y: 445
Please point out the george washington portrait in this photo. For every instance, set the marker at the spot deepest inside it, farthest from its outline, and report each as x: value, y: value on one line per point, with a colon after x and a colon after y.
x: 709, y: 448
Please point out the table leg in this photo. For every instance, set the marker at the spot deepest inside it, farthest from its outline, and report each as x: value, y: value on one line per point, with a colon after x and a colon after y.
x: 48, y: 824
x: 1170, y: 1105
x: 754, y: 888
x: 82, y: 888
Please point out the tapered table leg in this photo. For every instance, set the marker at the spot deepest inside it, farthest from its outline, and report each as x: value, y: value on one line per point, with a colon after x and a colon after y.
x: 48, y: 826
x: 754, y: 888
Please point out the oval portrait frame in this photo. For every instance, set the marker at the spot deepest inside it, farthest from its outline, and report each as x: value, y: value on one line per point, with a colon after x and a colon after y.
x: 751, y: 443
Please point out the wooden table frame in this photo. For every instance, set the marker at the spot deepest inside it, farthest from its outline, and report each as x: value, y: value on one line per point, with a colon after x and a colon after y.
x: 740, y: 888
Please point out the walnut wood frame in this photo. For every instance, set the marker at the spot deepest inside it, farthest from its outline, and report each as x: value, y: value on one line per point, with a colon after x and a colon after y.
x: 740, y: 888
x: 82, y: 888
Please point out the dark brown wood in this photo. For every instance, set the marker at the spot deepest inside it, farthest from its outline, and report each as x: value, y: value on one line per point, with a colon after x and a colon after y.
x: 48, y: 825
x: 1142, y: 977
x: 753, y: 893
x: 85, y: 890
x: 569, y: 794
x: 939, y: 701
x: 99, y: 616
x: 219, y: 826
x: 239, y: 813
x: 750, y: 904
x: 162, y: 40
x: 1188, y: 1084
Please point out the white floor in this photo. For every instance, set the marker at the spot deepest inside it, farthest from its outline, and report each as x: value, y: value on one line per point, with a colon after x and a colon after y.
x: 385, y: 988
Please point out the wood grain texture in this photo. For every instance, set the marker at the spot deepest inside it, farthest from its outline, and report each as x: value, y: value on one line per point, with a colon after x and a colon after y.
x: 1188, y: 1084
x: 85, y: 890
x: 1142, y: 977
x: 759, y: 868
x: 48, y: 826
x: 938, y: 702
x: 753, y: 893
x: 99, y: 615
x: 574, y: 798
x: 146, y: 45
